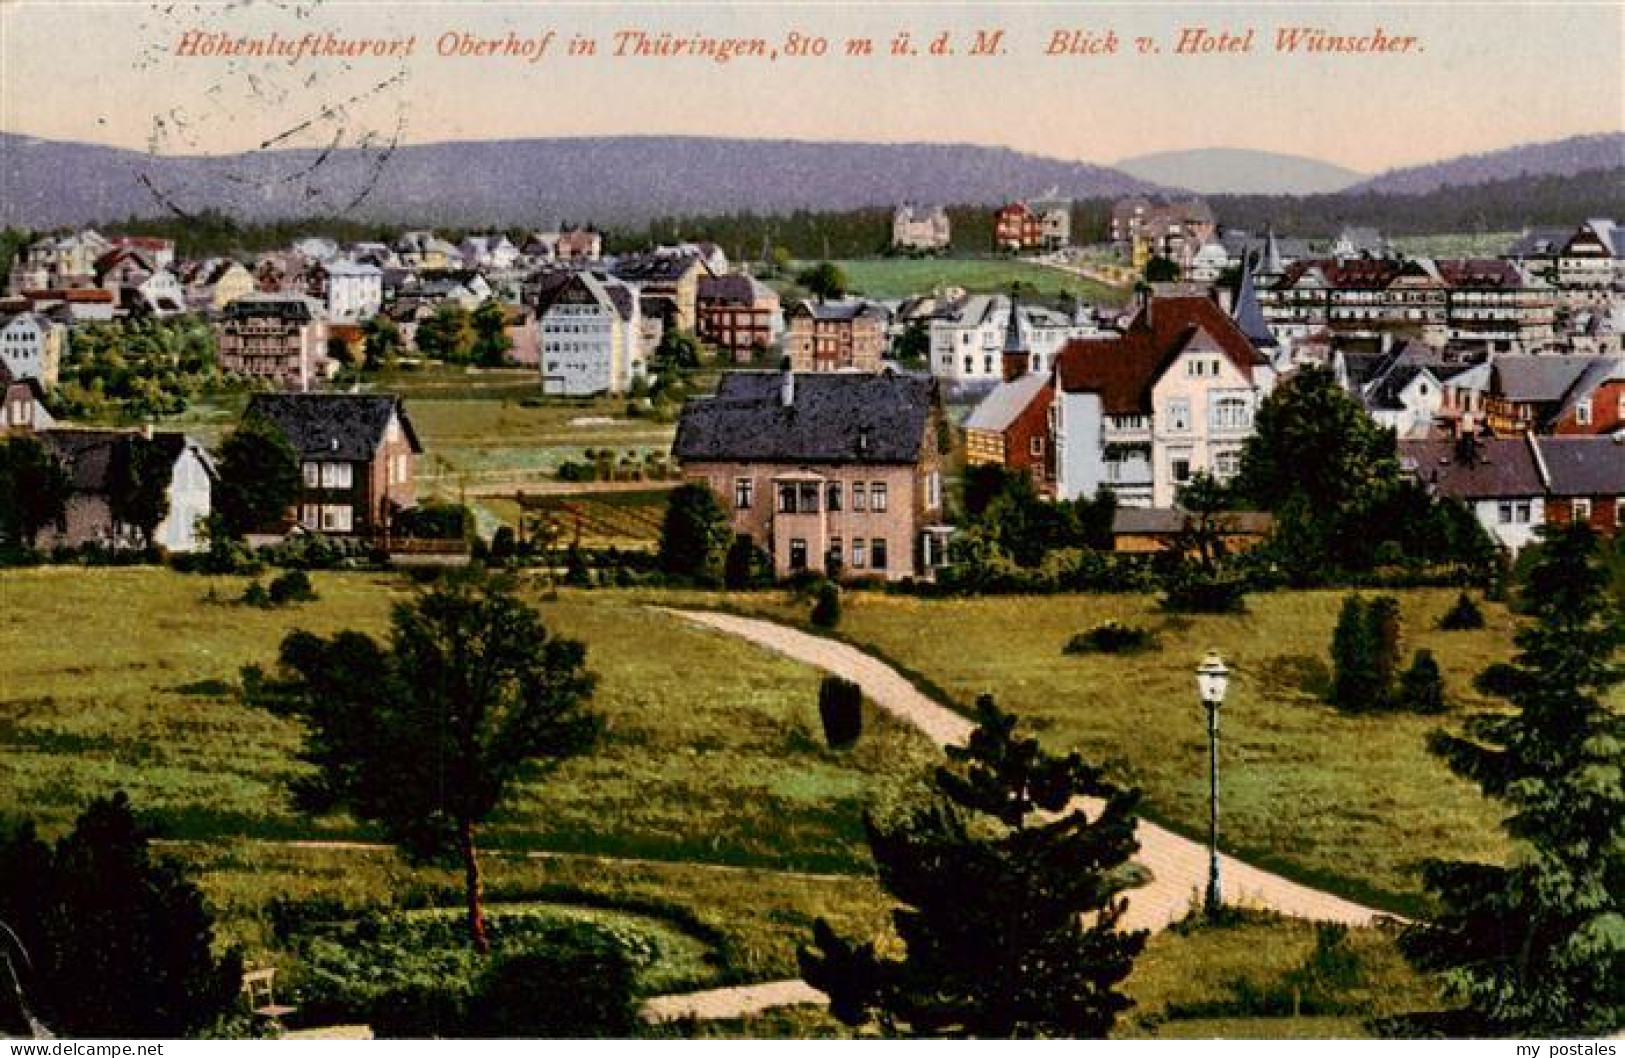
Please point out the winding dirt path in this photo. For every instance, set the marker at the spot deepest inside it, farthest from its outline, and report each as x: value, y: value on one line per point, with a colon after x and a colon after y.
x: 1178, y: 866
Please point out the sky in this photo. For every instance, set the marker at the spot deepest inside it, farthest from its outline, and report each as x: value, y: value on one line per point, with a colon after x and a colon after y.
x: 1477, y: 77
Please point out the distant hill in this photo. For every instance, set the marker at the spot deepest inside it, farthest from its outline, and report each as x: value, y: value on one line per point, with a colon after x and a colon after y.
x: 1578, y: 154
x: 612, y: 180
x: 1231, y: 171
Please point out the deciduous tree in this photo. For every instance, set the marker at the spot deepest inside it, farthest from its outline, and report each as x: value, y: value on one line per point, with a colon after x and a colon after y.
x: 425, y: 733
x: 259, y: 476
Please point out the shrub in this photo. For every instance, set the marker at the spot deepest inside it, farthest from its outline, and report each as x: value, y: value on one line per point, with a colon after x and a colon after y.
x: 503, y: 543
x: 1463, y: 616
x: 826, y: 612
x: 1355, y: 686
x: 1383, y: 614
x: 579, y: 990
x: 840, y: 707
x: 1190, y: 590
x: 292, y: 586
x: 256, y: 595
x: 1110, y: 637
x: 1421, y: 688
x: 747, y: 566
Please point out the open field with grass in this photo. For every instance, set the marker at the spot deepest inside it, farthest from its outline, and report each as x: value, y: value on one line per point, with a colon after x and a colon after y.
x: 1348, y: 802
x: 896, y: 277
x: 628, y: 520
x: 1466, y: 244
x: 713, y: 750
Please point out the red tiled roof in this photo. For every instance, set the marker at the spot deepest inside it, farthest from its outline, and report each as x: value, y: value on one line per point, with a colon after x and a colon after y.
x: 1123, y: 369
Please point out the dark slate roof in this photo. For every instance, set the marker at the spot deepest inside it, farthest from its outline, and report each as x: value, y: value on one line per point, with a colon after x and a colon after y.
x: 1537, y: 379
x: 845, y: 309
x: 657, y: 267
x: 747, y: 421
x: 89, y: 455
x: 347, y: 426
x: 1584, y: 466
x: 282, y: 306
x: 1539, y: 242
x: 1502, y: 467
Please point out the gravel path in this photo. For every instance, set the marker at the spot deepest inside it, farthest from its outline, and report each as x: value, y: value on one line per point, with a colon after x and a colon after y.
x: 1178, y: 866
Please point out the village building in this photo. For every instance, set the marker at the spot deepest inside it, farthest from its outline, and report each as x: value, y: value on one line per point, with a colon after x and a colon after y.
x: 740, y: 315
x: 354, y: 292
x: 357, y: 460
x: 1143, y: 411
x: 93, y: 461
x: 590, y: 334
x: 838, y: 473
x: 22, y: 404
x: 31, y: 346
x: 919, y: 228
x: 1530, y: 394
x: 669, y: 282
x: 845, y: 335
x: 280, y: 338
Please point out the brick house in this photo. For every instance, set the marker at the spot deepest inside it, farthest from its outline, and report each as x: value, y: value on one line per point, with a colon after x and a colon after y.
x: 671, y: 277
x: 846, y: 335
x: 1016, y: 227
x: 1528, y: 394
x: 1585, y: 480
x: 833, y: 472
x: 281, y: 338
x: 357, y: 457
x: 1596, y: 403
x: 740, y: 314
x: 1010, y: 428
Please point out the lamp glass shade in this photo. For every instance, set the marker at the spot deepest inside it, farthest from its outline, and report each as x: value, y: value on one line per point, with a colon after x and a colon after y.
x: 1212, y: 679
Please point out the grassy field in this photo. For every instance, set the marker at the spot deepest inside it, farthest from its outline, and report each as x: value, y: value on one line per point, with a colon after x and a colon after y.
x: 896, y: 277
x: 1469, y: 244
x: 713, y: 750
x: 626, y: 520
x: 1351, y: 802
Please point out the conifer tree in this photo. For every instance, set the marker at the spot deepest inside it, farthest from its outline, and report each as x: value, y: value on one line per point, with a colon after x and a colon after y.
x: 1010, y: 894
x: 1537, y: 947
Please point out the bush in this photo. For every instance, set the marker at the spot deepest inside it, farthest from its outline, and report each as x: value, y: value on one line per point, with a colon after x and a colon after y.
x: 1463, y: 616
x: 1190, y: 590
x: 504, y: 545
x: 840, y: 707
x: 1365, y: 654
x: 1421, y: 688
x: 1110, y: 637
x: 292, y: 586
x: 436, y: 521
x: 826, y: 612
x: 747, y: 566
x: 256, y: 595
x: 579, y: 990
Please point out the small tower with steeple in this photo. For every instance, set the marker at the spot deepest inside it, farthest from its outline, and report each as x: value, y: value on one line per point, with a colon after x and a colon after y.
x: 1017, y: 355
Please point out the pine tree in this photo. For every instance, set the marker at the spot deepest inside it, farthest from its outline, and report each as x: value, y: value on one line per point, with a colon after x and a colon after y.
x: 1356, y: 686
x: 1010, y: 896
x: 1537, y: 947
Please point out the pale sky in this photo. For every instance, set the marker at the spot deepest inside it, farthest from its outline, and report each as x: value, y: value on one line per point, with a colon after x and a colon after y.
x: 1485, y: 76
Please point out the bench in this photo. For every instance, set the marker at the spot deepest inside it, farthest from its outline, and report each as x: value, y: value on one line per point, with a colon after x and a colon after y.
x: 258, y: 991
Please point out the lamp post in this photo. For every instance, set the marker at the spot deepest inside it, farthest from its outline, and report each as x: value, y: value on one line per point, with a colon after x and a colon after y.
x: 1212, y: 679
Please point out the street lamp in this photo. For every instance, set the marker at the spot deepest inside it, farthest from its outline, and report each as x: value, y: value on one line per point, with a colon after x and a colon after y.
x: 1212, y: 679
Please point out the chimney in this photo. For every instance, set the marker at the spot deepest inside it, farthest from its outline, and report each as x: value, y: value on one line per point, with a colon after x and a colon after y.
x: 787, y: 384
x: 863, y: 440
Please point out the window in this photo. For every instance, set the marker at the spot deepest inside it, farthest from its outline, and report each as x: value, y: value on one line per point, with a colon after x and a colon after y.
x: 1035, y: 447
x: 832, y: 496
x: 742, y: 493
x: 970, y: 364
x: 808, y: 501
x: 787, y: 499
x: 313, y: 475
x: 1521, y: 512
x: 1503, y: 512
x: 798, y: 554
x: 310, y: 516
x: 1226, y: 464
x: 1582, y: 510
x: 833, y: 561
x: 860, y: 498
x: 1231, y: 413
x: 336, y: 475
x: 1179, y: 415
x: 933, y: 489
x: 859, y: 557
x: 877, y: 553
x: 987, y: 365
x: 1582, y: 413
x: 877, y: 497
x: 336, y: 518
x: 1179, y: 466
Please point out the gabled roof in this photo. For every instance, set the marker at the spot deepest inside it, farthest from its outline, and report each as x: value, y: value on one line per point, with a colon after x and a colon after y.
x: 1123, y: 369
x: 1501, y: 467
x: 1005, y: 402
x: 734, y: 289
x: 1584, y: 466
x: 90, y: 455
x: 1536, y: 379
x: 833, y: 418
x: 658, y: 267
x: 348, y: 426
x: 845, y: 309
